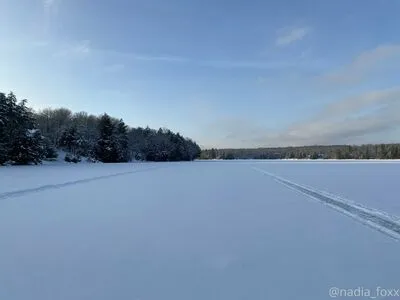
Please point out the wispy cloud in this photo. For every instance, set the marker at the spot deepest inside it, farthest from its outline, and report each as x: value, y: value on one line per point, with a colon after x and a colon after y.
x: 354, y: 119
x: 114, y: 68
x: 357, y: 103
x: 118, y: 60
x: 79, y: 49
x: 226, y: 64
x: 132, y: 56
x: 348, y: 119
x: 233, y: 64
x: 287, y: 36
x: 48, y: 3
x: 50, y: 8
x: 164, y: 58
x: 217, y: 63
x: 383, y: 57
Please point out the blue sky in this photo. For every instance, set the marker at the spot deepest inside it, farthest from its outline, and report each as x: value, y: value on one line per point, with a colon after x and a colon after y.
x: 226, y: 73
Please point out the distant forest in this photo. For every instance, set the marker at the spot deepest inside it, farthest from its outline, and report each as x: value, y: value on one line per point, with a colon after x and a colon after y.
x: 370, y: 151
x: 29, y: 137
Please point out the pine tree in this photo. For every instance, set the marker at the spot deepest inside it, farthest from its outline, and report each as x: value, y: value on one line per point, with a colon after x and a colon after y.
x: 193, y: 149
x: 213, y: 153
x: 33, y: 148
x: 26, y: 145
x: 72, y: 141
x: 106, y: 149
x: 367, y: 153
x: 3, y: 128
x: 81, y: 134
x: 69, y: 140
x: 338, y: 154
x: 395, y: 152
x: 50, y: 152
x: 122, y: 142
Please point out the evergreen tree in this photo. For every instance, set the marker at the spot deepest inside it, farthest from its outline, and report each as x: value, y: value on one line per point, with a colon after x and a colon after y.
x: 26, y: 144
x: 122, y: 141
x: 3, y: 128
x: 193, y: 149
x: 72, y: 141
x: 106, y: 149
x: 50, y: 152
x: 314, y: 155
x: 69, y: 140
x: 31, y: 148
x: 395, y: 152
x: 213, y: 153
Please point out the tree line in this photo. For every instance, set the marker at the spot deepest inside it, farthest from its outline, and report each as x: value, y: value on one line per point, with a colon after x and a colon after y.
x: 368, y: 151
x: 29, y: 137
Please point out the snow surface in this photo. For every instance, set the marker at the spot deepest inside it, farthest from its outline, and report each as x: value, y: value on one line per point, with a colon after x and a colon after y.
x: 199, y: 230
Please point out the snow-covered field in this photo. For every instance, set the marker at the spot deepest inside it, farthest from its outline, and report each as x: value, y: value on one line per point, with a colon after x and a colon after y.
x: 200, y: 230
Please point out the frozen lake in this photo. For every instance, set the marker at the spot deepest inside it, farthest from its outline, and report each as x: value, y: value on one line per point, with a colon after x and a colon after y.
x: 200, y: 230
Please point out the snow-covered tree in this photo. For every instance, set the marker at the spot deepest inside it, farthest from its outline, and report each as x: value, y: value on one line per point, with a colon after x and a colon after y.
x: 4, y: 138
x: 69, y: 140
x: 50, y: 152
x: 72, y: 141
x: 122, y: 141
x: 25, y: 143
x: 106, y: 149
x: 103, y: 138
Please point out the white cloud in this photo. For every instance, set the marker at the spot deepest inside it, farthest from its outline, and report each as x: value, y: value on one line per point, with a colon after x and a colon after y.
x: 348, y: 119
x: 159, y: 58
x: 48, y: 3
x: 80, y: 49
x: 357, y: 103
x: 263, y: 64
x: 132, y: 56
x: 383, y: 57
x: 217, y: 63
x: 355, y: 119
x: 287, y: 36
x: 51, y: 7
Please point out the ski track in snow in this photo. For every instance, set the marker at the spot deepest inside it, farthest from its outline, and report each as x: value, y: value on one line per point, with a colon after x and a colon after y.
x: 42, y: 188
x: 376, y: 219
